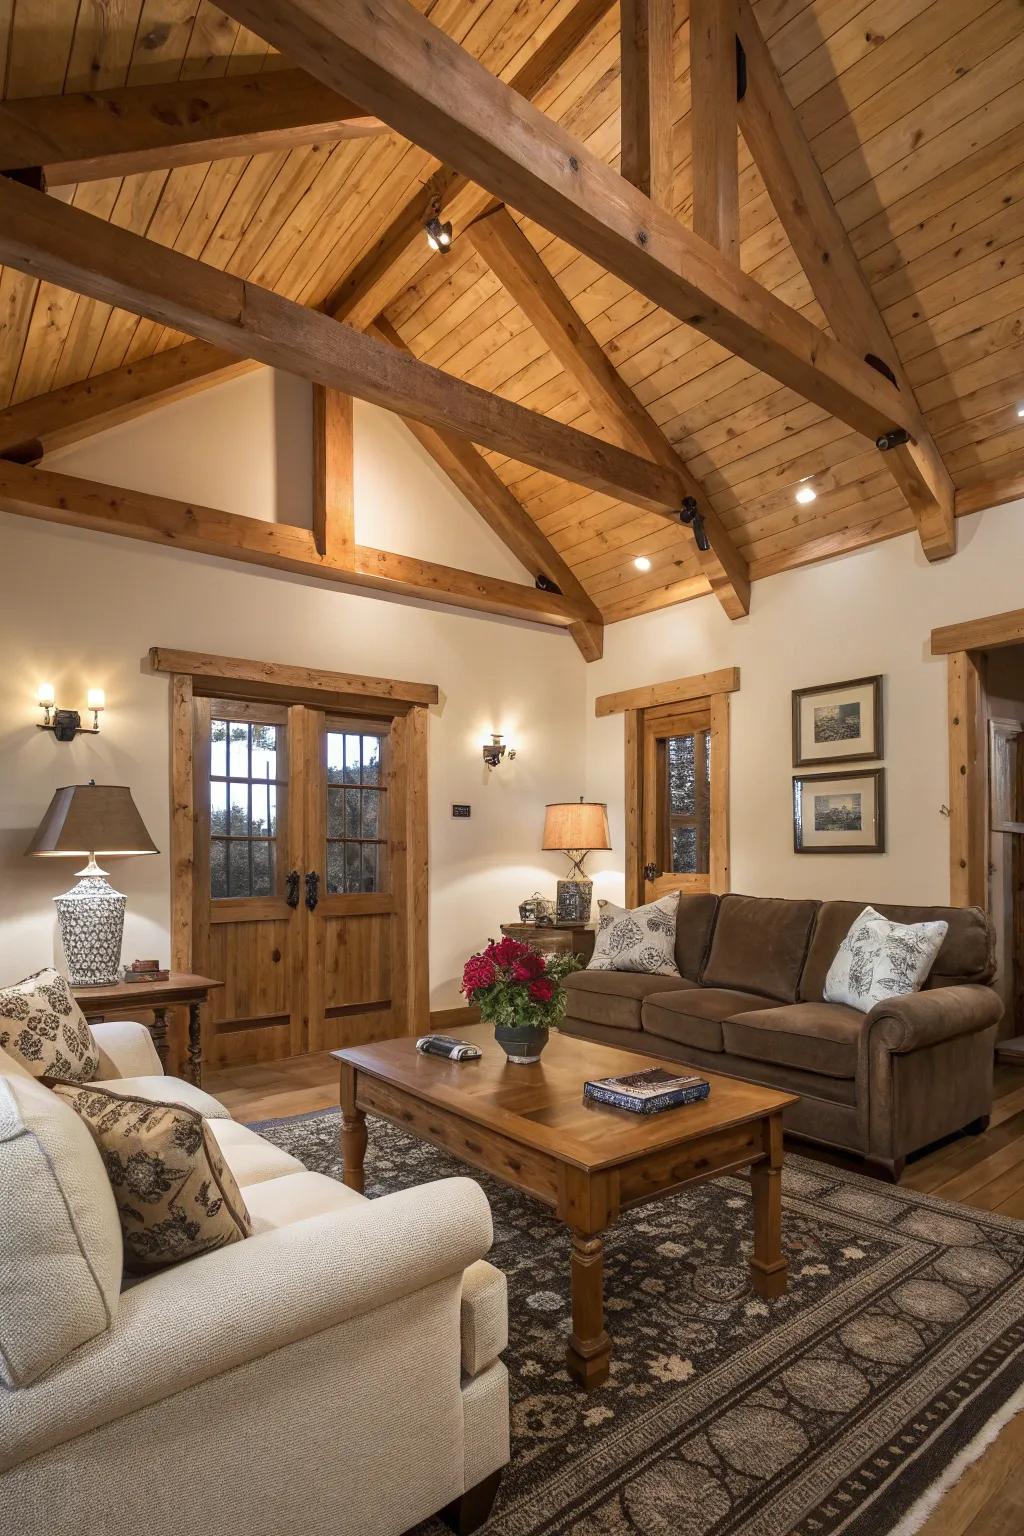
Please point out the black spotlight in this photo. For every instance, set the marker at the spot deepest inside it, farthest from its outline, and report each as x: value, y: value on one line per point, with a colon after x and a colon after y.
x: 690, y: 517
x: 439, y: 236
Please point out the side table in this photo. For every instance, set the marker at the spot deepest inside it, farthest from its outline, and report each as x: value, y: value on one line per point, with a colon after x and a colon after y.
x: 555, y: 939
x: 156, y: 997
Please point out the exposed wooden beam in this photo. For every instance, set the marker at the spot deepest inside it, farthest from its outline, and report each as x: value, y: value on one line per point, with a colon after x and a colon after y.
x: 406, y: 70
x: 81, y: 503
x: 77, y: 411
x: 701, y: 686
x: 798, y: 192
x: 990, y: 633
x: 88, y: 135
x: 333, y: 471
x: 519, y: 268
x: 645, y: 84
x: 488, y: 494
x: 281, y: 674
x: 990, y: 493
x: 715, y: 161
x: 386, y: 268
x: 61, y: 244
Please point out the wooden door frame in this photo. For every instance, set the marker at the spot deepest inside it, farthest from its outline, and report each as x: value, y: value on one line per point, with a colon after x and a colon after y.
x: 199, y: 675
x: 964, y: 646
x: 713, y: 690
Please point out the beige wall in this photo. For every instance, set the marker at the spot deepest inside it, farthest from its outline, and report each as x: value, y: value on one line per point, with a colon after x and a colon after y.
x: 80, y: 609
x: 865, y: 613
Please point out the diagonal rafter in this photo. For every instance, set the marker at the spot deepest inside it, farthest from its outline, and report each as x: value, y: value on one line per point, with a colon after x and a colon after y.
x: 520, y: 270
x: 802, y: 201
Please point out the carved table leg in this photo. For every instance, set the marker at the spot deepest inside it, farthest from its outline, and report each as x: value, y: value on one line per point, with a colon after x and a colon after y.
x: 589, y: 1345
x: 195, y: 1043
x: 768, y: 1268
x: 353, y: 1131
x: 158, y: 1030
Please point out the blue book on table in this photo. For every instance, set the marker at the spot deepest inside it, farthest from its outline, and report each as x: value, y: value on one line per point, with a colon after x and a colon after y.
x: 647, y: 1093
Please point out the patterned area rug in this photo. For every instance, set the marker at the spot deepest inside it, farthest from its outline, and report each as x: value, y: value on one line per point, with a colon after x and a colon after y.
x: 841, y: 1407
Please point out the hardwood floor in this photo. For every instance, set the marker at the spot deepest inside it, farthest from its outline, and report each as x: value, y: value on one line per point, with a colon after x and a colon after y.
x: 985, y: 1171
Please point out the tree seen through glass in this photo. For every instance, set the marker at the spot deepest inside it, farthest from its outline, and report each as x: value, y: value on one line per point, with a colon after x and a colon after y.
x: 356, y: 817
x: 244, y: 783
x: 688, y: 783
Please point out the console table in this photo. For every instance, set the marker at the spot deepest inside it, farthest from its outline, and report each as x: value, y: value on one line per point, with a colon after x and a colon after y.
x: 156, y: 997
x: 555, y: 938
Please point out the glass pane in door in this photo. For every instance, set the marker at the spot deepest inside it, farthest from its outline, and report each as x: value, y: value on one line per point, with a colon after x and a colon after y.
x: 686, y: 810
x: 246, y: 770
x: 356, y: 850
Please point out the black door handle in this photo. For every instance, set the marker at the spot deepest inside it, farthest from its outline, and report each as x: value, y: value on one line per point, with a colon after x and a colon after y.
x: 651, y: 872
x: 312, y: 889
x: 291, y: 888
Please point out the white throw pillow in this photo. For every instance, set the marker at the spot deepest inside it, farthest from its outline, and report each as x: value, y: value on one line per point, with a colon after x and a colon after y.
x: 44, y: 1030
x: 880, y: 959
x: 641, y: 940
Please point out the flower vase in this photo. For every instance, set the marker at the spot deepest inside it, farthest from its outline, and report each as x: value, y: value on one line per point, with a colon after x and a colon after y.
x: 521, y: 1044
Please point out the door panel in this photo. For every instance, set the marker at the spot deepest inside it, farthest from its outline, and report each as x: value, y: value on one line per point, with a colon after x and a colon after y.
x: 676, y: 802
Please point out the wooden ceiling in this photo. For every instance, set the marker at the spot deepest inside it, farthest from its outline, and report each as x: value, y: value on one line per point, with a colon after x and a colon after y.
x: 913, y: 110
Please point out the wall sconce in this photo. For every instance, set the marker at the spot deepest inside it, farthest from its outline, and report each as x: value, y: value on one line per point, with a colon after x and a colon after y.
x: 495, y: 750
x: 66, y: 724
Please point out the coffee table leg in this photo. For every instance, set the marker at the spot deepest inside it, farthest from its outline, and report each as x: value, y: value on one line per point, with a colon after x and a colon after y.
x: 353, y: 1131
x: 589, y: 1345
x: 768, y: 1268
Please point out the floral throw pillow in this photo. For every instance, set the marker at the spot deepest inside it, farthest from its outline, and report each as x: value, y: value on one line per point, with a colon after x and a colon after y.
x: 175, y: 1195
x: 641, y: 940
x: 879, y: 960
x: 44, y: 1029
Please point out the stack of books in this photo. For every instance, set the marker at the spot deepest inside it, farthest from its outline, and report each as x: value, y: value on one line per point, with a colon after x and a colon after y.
x: 647, y: 1093
x: 145, y: 970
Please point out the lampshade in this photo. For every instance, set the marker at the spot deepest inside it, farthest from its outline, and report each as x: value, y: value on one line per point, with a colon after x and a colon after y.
x: 84, y: 819
x: 577, y: 824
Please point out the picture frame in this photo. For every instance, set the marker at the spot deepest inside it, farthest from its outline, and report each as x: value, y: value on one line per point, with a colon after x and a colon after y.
x: 839, y: 812
x: 838, y: 722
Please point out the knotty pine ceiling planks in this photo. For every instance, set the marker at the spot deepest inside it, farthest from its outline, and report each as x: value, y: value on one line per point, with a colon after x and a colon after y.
x: 914, y: 111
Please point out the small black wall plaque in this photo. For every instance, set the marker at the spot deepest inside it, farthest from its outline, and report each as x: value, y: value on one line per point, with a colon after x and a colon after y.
x: 462, y: 810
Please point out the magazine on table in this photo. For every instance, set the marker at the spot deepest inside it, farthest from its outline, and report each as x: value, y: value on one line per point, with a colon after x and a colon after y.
x: 648, y: 1092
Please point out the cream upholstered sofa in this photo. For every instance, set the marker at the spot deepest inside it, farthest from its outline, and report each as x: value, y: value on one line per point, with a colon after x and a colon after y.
x: 336, y: 1372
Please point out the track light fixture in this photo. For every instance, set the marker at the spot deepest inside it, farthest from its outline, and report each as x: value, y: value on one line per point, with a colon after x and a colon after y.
x: 896, y: 437
x: 690, y: 517
x: 439, y: 236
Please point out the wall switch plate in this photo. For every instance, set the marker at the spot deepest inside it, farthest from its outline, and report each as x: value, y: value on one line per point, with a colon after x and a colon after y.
x: 462, y: 810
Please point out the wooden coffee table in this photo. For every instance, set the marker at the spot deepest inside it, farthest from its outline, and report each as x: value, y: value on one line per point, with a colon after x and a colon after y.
x: 530, y: 1127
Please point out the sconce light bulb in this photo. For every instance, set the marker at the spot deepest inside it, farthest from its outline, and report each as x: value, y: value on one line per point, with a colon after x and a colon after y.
x: 46, y: 695
x: 96, y: 699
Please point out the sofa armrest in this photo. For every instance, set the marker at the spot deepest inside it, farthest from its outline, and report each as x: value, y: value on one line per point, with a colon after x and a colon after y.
x: 212, y: 1314
x: 126, y: 1050
x: 926, y: 1018
x: 484, y: 1316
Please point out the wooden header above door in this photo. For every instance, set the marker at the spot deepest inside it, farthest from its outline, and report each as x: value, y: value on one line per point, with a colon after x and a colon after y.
x: 703, y: 685
x: 272, y: 679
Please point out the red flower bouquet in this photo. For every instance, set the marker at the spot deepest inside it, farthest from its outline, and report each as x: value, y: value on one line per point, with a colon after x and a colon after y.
x: 520, y: 992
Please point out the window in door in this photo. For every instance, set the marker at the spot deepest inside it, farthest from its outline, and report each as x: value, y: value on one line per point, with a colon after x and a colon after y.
x: 685, y: 811
x: 247, y: 776
x: 357, y: 818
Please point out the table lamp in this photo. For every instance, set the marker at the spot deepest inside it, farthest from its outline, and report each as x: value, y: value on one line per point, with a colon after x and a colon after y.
x: 575, y: 828
x: 84, y: 820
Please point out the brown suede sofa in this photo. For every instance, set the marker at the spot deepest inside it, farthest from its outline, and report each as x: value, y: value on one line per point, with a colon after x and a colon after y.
x: 748, y: 1003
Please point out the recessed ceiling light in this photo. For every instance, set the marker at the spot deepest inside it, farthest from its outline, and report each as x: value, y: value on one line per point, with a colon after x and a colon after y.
x: 806, y: 494
x: 1020, y: 410
x: 642, y: 563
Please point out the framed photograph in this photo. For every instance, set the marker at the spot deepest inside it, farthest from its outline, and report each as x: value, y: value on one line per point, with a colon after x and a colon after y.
x: 837, y: 722
x: 839, y: 812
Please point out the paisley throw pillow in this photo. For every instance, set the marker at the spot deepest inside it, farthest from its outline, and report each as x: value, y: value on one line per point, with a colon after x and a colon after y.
x: 175, y: 1195
x: 641, y: 940
x: 44, y: 1029
x: 879, y: 960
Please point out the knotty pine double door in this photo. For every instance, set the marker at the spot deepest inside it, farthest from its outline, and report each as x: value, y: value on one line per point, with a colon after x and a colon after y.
x: 301, y: 881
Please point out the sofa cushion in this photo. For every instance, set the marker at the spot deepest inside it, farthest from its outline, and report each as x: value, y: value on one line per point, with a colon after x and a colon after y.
x: 176, y: 1197
x: 695, y: 921
x: 613, y: 998
x: 967, y: 953
x: 159, y: 1089
x: 812, y: 1037
x: 641, y: 939
x: 44, y: 1029
x: 695, y: 1017
x: 759, y: 945
x: 295, y: 1197
x: 250, y: 1158
x: 60, y: 1240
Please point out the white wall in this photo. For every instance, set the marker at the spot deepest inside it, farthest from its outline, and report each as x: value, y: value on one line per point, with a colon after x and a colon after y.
x: 865, y: 613
x: 79, y: 610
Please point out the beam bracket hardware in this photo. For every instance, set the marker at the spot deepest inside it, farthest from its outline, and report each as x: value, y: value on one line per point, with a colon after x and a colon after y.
x: 545, y: 584
x: 882, y: 368
x: 741, y: 71
x: 896, y: 437
x: 690, y: 517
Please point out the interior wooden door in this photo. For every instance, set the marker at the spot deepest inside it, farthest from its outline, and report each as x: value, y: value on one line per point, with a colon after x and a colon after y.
x: 352, y: 895
x: 677, y: 793
x: 248, y: 924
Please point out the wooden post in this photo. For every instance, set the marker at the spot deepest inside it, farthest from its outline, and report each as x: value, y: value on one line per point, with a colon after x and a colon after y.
x: 968, y: 787
x: 182, y: 823
x: 333, y: 488
x: 719, y: 843
x: 716, y: 208
x: 646, y: 97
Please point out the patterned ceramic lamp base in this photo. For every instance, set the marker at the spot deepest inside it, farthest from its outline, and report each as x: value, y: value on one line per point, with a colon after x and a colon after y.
x: 91, y: 927
x: 572, y: 901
